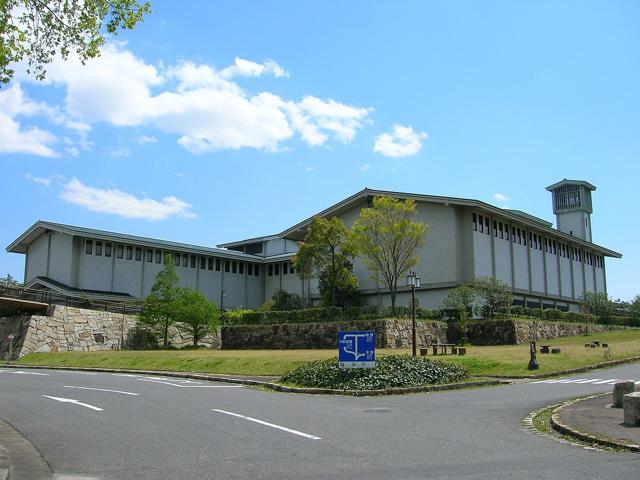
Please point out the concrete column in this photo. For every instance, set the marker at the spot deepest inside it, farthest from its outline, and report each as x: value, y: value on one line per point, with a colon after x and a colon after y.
x: 631, y: 405
x: 513, y: 260
x: 48, y: 253
x: 584, y: 276
x: 528, y: 240
x: 559, y: 263
x: 573, y: 282
x: 620, y: 389
x: 144, y: 260
x: 493, y: 247
x: 604, y: 275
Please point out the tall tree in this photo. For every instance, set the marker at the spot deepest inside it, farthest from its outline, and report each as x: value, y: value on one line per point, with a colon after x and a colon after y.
x: 325, y: 252
x: 39, y: 30
x: 597, y: 304
x: 495, y: 293
x: 195, y: 314
x: 159, y: 309
x: 386, y: 238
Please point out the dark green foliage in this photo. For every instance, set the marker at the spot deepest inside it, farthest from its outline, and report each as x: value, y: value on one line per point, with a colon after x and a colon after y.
x: 553, y: 314
x: 495, y: 293
x: 285, y: 301
x: 195, y: 314
x: 391, y: 371
x: 575, y: 317
x: 140, y: 338
x: 9, y: 281
x: 517, y: 310
x: 536, y: 312
x: 597, y: 304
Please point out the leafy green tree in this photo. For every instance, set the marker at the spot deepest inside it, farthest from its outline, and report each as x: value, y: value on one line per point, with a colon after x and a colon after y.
x: 159, y: 308
x: 634, y: 307
x: 325, y: 252
x: 386, y: 238
x: 39, y: 30
x: 281, y: 300
x: 598, y: 304
x: 195, y: 314
x: 495, y: 293
x: 346, y: 290
x: 9, y: 281
x: 460, y: 298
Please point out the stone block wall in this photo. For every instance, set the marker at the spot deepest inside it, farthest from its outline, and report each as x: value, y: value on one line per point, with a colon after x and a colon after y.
x: 79, y: 329
x: 389, y: 334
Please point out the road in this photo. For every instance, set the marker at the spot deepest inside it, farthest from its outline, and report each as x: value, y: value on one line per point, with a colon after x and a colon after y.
x: 114, y: 426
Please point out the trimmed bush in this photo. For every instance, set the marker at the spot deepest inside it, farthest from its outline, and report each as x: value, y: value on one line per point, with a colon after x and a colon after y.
x: 536, y: 313
x: 579, y: 317
x: 553, y: 314
x: 391, y: 371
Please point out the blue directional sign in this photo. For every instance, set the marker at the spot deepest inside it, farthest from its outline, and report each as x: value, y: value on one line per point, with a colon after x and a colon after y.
x: 356, y: 349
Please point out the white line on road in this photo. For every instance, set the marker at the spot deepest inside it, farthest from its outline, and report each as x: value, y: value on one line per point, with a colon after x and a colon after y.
x: 31, y: 373
x: 590, y: 380
x: 124, y: 375
x: 81, y: 373
x: 75, y: 402
x: 605, y: 381
x: 101, y: 390
x: 572, y: 380
x: 272, y: 425
x: 189, y: 386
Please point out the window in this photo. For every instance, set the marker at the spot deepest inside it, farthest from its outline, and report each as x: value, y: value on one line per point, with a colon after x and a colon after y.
x: 210, y: 263
x: 271, y: 270
x: 234, y: 267
x: 513, y: 234
x: 531, y: 239
x: 501, y: 230
x: 98, y: 248
x: 481, y: 224
x: 276, y: 269
x: 250, y: 268
x: 120, y: 251
x: 217, y: 264
x: 203, y: 263
x: 519, y: 238
x: 185, y: 260
x: 107, y: 249
x: 506, y: 231
x: 193, y: 261
x: 138, y: 254
x: 88, y: 247
x: 285, y: 268
x: 149, y: 255
x: 292, y: 269
x: 129, y: 252
x: 256, y: 270
x: 486, y: 225
x: 158, y: 256
x: 475, y: 222
x: 226, y: 266
x: 176, y: 259
x: 495, y: 228
x: 554, y: 248
x: 241, y: 268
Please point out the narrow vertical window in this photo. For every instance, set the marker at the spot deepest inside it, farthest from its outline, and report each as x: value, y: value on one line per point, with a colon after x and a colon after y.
x: 256, y: 270
x: 217, y: 264
x: 285, y: 268
x: 241, y: 268
x: 475, y: 222
x: 210, y: 263
x: 193, y: 261
x: 107, y: 249
x: 226, y: 265
x: 149, y: 255
x: 138, y: 254
x: 501, y: 228
x: 98, y: 248
x: 276, y: 269
x: 88, y: 247
x: 120, y: 251
x: 486, y: 226
x: 234, y: 267
x: 176, y: 259
x: 249, y: 268
x: 271, y: 270
x: 129, y: 252
x: 481, y: 223
x: 158, y: 256
x: 203, y: 263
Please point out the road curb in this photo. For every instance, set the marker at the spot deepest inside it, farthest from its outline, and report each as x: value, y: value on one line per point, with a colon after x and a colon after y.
x: 19, y: 458
x: 611, y: 363
x: 565, y: 429
x: 276, y: 386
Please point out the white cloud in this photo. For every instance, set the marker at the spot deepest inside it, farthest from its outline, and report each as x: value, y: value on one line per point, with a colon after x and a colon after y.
x: 365, y: 167
x: 124, y: 204
x: 401, y: 142
x: 202, y: 106
x: 119, y: 152
x: 247, y: 68
x: 16, y: 138
x: 144, y: 139
x: 40, y: 180
x: 500, y: 197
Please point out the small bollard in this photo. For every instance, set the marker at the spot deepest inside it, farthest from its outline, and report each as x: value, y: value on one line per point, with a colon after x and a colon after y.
x: 533, y: 363
x: 620, y: 389
x: 631, y: 405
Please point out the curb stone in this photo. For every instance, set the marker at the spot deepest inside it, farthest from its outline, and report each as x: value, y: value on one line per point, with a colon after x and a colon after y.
x: 558, y: 426
x: 611, y: 363
x: 276, y: 386
x: 19, y: 458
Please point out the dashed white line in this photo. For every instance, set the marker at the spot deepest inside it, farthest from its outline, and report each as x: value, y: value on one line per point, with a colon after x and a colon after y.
x: 101, y: 390
x: 32, y: 373
x: 80, y: 373
x: 605, y: 381
x: 572, y: 380
x: 590, y: 380
x: 272, y: 425
x: 188, y: 386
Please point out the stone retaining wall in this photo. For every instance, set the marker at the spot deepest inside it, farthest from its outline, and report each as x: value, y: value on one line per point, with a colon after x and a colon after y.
x: 392, y: 333
x: 80, y: 330
x: 513, y: 332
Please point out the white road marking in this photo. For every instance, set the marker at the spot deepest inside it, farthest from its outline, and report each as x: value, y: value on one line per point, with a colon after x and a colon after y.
x: 188, y: 386
x: 75, y: 402
x: 31, y: 373
x: 590, y: 380
x: 101, y: 390
x: 605, y: 381
x: 81, y: 373
x: 124, y: 375
x: 272, y: 425
x: 572, y: 380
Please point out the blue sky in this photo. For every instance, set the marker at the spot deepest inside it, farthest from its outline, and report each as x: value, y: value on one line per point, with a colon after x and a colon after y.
x: 230, y: 119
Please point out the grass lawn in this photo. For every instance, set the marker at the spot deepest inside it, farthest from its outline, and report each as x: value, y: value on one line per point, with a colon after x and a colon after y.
x: 510, y: 360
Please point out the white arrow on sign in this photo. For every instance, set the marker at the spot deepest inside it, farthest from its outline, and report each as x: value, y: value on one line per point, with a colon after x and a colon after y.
x: 76, y: 402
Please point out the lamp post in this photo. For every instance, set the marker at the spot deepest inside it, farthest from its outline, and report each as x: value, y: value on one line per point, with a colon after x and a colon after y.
x: 414, y: 282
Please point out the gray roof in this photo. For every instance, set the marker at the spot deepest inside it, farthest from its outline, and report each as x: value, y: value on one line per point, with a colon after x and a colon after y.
x: 566, y: 181
x: 40, y: 227
x: 247, y: 241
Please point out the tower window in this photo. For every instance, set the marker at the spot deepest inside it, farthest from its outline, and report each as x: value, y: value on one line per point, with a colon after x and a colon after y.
x: 88, y: 247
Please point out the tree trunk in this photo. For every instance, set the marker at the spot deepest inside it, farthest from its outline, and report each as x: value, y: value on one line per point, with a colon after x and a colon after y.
x: 166, y: 333
x: 394, y: 291
x: 195, y: 337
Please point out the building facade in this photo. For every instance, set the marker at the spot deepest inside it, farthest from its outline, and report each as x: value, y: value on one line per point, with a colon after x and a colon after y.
x: 544, y: 266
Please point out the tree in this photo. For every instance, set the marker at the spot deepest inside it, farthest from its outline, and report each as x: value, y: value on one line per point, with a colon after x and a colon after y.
x: 195, y: 314
x: 40, y: 30
x: 325, y: 252
x: 634, y: 308
x: 495, y: 293
x: 159, y: 309
x: 386, y: 238
x: 345, y: 292
x: 460, y: 298
x: 281, y: 300
x: 9, y: 281
x: 598, y: 304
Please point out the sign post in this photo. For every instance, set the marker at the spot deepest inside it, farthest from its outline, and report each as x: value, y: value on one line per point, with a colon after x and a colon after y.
x: 10, y: 338
x: 356, y: 349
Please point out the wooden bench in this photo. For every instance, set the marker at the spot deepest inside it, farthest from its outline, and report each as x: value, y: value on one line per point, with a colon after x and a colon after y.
x: 443, y: 348
x: 462, y: 351
x: 555, y: 350
x: 596, y: 342
x: 544, y: 348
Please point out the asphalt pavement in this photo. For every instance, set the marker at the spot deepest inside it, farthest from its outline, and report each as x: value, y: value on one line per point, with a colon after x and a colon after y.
x: 118, y: 426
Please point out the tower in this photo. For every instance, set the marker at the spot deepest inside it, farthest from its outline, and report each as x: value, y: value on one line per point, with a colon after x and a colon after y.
x: 572, y: 207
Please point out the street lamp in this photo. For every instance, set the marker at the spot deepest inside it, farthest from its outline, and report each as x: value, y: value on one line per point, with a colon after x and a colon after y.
x: 414, y: 282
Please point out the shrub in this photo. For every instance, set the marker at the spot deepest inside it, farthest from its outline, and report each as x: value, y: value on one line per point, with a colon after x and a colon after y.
x: 517, y: 310
x: 536, y: 312
x: 579, y: 317
x: 553, y: 314
x: 283, y: 301
x: 391, y: 371
x: 139, y: 338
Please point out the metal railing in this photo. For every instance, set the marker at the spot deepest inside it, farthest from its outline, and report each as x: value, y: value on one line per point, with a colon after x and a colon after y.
x: 86, y: 301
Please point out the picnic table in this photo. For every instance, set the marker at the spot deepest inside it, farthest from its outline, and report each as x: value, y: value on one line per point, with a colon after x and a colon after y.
x: 443, y: 348
x: 544, y: 348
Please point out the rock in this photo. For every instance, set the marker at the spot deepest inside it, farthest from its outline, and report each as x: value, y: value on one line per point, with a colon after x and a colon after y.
x: 620, y: 389
x: 631, y: 405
